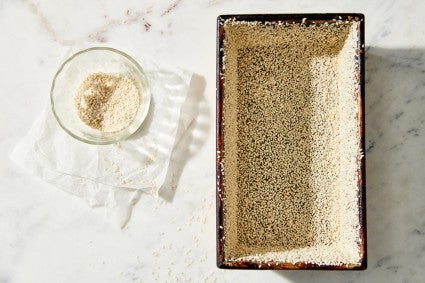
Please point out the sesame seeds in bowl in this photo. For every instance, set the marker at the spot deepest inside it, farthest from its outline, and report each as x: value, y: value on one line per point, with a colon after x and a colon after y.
x: 100, y: 95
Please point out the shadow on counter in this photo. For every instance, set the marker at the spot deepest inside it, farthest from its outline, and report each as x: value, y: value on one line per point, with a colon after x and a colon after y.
x: 192, y: 137
x: 395, y: 162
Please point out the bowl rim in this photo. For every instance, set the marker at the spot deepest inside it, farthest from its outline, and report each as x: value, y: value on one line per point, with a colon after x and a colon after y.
x: 144, y: 80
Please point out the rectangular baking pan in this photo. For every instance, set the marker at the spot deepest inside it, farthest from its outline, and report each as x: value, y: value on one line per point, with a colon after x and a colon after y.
x: 246, y: 237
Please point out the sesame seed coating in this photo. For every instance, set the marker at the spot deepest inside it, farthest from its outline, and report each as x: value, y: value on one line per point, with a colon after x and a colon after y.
x: 291, y: 142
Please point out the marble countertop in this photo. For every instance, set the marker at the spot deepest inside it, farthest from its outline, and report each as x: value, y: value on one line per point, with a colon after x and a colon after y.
x: 47, y: 235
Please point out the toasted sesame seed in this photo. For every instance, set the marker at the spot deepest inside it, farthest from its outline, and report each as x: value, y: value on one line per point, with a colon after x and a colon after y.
x: 107, y: 102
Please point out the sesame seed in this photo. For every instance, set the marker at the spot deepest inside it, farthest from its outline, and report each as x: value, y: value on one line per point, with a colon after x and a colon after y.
x: 107, y: 102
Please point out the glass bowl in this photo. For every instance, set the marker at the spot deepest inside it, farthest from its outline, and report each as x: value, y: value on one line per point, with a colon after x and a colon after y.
x: 72, y: 73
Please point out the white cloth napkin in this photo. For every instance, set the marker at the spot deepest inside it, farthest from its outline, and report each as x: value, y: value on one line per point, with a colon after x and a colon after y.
x: 114, y: 175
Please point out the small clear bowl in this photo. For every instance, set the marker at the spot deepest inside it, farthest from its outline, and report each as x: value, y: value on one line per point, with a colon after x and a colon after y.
x: 72, y: 73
